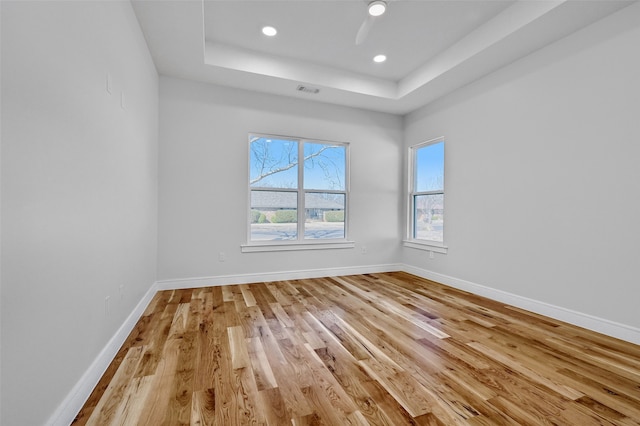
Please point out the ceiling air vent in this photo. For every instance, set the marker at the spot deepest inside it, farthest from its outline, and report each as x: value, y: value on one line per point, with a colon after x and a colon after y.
x: 307, y: 89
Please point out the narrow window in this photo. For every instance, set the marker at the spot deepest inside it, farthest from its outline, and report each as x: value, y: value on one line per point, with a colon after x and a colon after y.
x: 426, y: 196
x: 298, y: 190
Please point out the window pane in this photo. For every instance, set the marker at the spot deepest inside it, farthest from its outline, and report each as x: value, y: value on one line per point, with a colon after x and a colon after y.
x: 324, y: 215
x: 429, y: 168
x: 274, y: 163
x: 428, y: 216
x: 324, y: 166
x: 274, y: 215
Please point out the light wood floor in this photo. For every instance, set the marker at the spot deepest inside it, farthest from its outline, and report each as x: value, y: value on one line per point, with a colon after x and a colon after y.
x: 379, y: 349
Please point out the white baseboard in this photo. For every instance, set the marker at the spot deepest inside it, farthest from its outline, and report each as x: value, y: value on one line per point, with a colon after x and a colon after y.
x: 590, y: 322
x: 76, y: 398
x: 198, y: 282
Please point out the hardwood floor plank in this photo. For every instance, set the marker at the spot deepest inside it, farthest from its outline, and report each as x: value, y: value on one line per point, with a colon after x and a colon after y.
x: 208, y: 350
x: 630, y: 370
x: 238, y: 348
x: 391, y: 412
x: 260, y: 365
x: 107, y: 407
x: 609, y: 396
x: 323, y: 379
x: 324, y: 412
x: 272, y: 405
x: 373, y: 349
x: 248, y: 296
x: 179, y: 411
x: 157, y: 340
x: 130, y: 408
x: 402, y: 387
x: 280, y: 296
x: 281, y: 315
x: 157, y: 404
x: 519, y: 414
x: 203, y: 407
x: 561, y: 389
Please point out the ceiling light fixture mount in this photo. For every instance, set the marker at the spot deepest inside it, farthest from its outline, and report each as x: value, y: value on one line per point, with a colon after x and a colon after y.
x: 374, y: 11
x: 269, y: 31
x: 377, y: 8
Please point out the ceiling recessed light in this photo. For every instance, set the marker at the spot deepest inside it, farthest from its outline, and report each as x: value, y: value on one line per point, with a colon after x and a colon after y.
x: 269, y: 31
x: 379, y: 58
x: 377, y: 8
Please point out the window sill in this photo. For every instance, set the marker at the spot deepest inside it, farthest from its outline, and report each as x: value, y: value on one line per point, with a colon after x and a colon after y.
x: 426, y: 246
x: 252, y: 248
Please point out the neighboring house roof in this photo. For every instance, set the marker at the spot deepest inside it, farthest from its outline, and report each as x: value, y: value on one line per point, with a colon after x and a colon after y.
x: 273, y: 200
x: 434, y: 207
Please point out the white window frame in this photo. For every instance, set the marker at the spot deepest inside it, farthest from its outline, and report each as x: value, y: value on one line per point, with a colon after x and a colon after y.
x: 411, y: 241
x: 300, y: 243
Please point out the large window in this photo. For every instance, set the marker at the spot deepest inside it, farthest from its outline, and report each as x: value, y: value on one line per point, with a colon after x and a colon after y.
x: 426, y: 193
x: 298, y: 190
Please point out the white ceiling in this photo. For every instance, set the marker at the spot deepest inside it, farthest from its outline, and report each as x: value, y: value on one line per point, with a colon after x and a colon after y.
x: 324, y: 32
x: 432, y: 46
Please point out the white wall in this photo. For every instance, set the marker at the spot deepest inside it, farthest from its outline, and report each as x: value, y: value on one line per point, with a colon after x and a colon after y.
x: 203, y: 179
x: 542, y: 174
x: 79, y: 192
